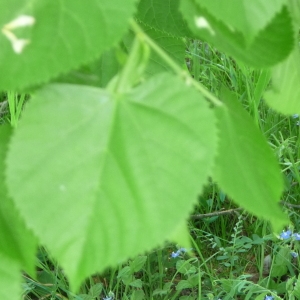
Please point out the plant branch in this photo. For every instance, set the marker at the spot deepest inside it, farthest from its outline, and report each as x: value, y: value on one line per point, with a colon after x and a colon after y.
x: 289, y: 204
x: 216, y: 213
x: 176, y: 68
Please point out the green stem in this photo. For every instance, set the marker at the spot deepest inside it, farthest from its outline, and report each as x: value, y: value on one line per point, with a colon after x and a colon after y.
x: 160, y: 268
x: 176, y: 68
x: 124, y: 83
x: 20, y: 105
x: 12, y: 108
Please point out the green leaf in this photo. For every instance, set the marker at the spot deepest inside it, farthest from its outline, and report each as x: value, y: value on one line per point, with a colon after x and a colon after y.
x: 126, y: 275
x: 110, y: 64
x: 104, y: 166
x: 16, y: 242
x: 282, y: 259
x: 166, y: 289
x: 294, y: 7
x: 173, y: 46
x: 163, y: 16
x: 138, y: 263
x: 17, y: 245
x: 180, y: 235
x: 185, y: 268
x: 249, y: 17
x: 270, y: 45
x: 96, y: 290
x: 137, y: 283
x: 296, y: 286
x: 246, y: 168
x: 285, y: 93
x: 183, y: 284
x: 63, y: 36
x: 85, y: 297
x: 137, y: 295
x: 10, y: 279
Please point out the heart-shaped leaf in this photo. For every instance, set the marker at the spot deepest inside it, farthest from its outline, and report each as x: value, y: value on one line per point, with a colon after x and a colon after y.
x: 104, y: 176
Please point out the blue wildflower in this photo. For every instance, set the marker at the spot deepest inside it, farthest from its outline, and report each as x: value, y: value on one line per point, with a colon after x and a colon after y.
x: 294, y: 254
x: 269, y: 298
x: 286, y: 234
x: 179, y: 251
x: 295, y: 116
x: 296, y: 236
x: 175, y: 254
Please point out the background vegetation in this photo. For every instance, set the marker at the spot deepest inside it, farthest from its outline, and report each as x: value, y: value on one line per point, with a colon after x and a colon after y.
x: 154, y: 154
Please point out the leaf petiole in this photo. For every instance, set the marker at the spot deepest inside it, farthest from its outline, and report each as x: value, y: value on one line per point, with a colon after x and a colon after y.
x: 177, y: 69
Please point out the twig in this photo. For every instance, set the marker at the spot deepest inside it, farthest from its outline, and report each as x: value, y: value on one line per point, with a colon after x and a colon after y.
x: 289, y: 204
x: 217, y: 213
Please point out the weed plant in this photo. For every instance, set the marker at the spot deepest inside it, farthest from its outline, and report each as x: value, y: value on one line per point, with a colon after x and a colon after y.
x: 234, y: 255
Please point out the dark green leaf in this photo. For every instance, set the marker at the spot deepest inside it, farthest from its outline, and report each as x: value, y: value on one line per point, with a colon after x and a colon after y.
x: 246, y: 168
x: 270, y: 45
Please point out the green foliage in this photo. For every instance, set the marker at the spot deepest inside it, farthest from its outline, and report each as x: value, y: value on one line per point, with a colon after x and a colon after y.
x: 163, y: 16
x: 249, y: 39
x: 77, y: 168
x: 175, y: 47
x: 293, y: 287
x: 285, y: 85
x: 17, y: 244
x: 58, y: 38
x: 108, y: 158
x: 241, y: 147
x: 279, y: 267
x: 241, y: 287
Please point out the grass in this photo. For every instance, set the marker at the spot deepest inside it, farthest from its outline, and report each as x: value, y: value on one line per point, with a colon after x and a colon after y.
x: 235, y: 254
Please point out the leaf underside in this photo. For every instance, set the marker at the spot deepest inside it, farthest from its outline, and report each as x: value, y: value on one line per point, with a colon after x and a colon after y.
x: 115, y: 174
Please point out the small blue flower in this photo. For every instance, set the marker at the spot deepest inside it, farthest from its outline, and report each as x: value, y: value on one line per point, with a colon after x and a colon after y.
x: 179, y: 252
x: 296, y: 236
x: 294, y: 254
x: 286, y: 234
x: 295, y: 116
x: 269, y: 298
x: 175, y: 254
